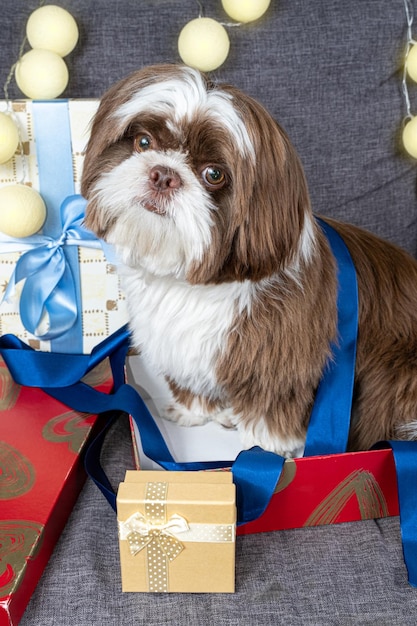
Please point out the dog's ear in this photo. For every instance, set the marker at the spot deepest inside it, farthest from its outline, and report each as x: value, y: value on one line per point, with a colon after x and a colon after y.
x: 106, y: 130
x: 259, y: 232
x: 100, y: 156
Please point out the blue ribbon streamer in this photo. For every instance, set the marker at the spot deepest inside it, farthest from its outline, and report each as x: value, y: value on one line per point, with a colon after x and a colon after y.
x: 405, y: 458
x: 328, y: 430
x: 50, y: 283
x: 31, y: 368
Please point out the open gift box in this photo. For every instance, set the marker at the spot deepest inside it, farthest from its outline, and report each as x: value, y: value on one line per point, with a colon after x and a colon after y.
x: 260, y: 501
x: 324, y: 489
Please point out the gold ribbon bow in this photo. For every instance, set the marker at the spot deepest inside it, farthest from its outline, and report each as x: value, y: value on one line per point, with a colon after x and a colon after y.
x: 140, y: 533
x: 155, y: 533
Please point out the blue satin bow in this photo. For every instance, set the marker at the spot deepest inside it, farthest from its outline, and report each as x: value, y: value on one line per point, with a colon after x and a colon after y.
x: 49, y: 282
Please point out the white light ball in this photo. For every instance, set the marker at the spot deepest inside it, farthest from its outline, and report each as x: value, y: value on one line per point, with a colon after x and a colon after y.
x: 411, y: 63
x: 9, y: 138
x: 410, y: 137
x: 245, y: 10
x: 41, y: 74
x: 52, y: 28
x: 204, y: 44
x: 22, y: 211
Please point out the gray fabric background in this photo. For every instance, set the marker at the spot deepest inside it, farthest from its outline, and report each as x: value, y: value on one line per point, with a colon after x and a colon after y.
x: 330, y: 71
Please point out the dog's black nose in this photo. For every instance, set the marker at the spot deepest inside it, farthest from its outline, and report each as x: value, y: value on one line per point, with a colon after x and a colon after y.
x: 164, y: 179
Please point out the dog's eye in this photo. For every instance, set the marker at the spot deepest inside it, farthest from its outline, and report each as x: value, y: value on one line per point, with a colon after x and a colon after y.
x: 214, y: 177
x: 142, y: 143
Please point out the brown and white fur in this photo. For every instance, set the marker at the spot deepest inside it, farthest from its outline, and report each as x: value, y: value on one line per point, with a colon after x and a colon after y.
x: 230, y: 283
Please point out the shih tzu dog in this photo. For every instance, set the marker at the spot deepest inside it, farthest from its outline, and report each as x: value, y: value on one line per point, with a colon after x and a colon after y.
x: 231, y: 284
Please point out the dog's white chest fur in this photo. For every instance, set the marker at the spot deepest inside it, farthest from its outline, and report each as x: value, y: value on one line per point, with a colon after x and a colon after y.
x: 182, y: 329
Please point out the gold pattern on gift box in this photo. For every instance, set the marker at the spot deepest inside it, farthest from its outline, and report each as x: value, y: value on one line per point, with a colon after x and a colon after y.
x: 287, y: 475
x: 81, y: 113
x: 71, y: 428
x: 102, y: 300
x: 19, y: 541
x: 17, y: 474
x: 360, y: 484
x: 99, y: 375
x: 9, y: 390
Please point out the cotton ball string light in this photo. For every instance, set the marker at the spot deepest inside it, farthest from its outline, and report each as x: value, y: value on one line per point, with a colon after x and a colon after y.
x: 411, y: 63
x: 41, y: 74
x: 410, y: 137
x: 203, y: 43
x: 22, y: 211
x: 9, y: 137
x: 52, y: 28
x: 245, y: 10
x: 409, y: 132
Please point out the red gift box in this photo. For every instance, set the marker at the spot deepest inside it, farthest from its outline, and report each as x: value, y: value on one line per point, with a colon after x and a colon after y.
x: 41, y: 475
x: 331, y: 489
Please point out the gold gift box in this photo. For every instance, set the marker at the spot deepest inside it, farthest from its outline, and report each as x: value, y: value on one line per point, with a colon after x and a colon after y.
x: 177, y: 531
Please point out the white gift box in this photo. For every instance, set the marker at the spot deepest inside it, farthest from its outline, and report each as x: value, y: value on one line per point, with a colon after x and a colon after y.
x: 101, y: 308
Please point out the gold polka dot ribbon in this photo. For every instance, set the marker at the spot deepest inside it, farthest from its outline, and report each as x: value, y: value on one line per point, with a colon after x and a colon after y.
x: 158, y: 535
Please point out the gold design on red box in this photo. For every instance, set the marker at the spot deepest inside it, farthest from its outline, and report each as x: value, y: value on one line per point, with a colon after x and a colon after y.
x: 359, y: 484
x: 19, y: 541
x: 70, y: 427
x: 287, y: 475
x: 99, y: 374
x: 17, y: 474
x: 9, y: 390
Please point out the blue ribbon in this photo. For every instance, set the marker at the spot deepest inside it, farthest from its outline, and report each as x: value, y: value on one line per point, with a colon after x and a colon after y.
x: 328, y: 430
x: 50, y: 285
x: 54, y: 153
x: 31, y: 368
x: 405, y: 458
x: 56, y: 182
